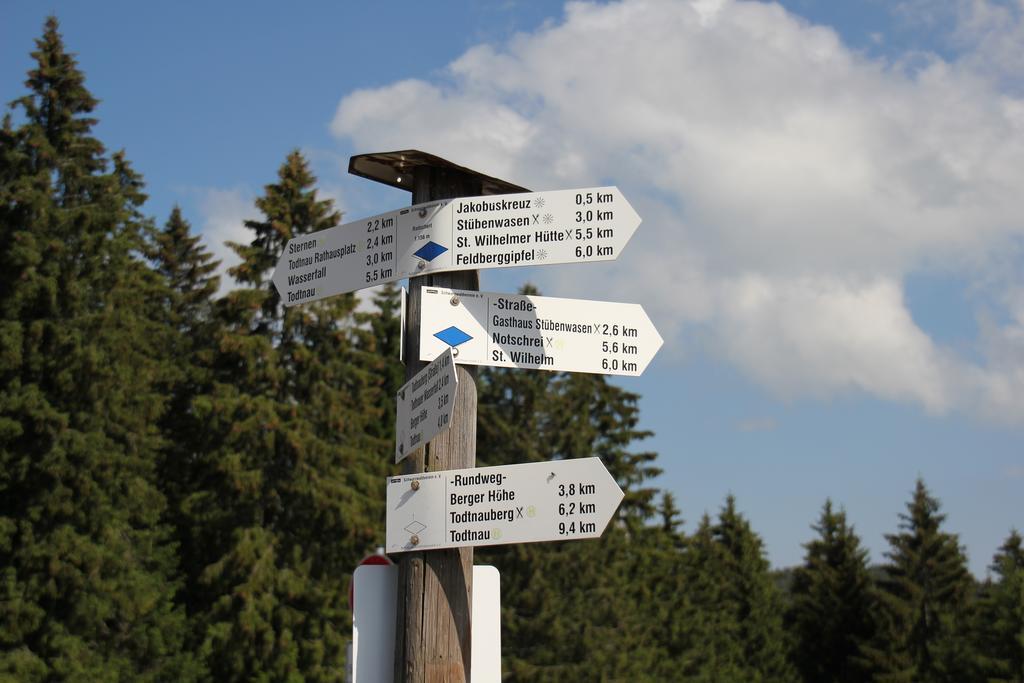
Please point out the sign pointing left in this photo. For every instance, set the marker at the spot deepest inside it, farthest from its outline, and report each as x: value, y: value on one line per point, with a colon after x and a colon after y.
x: 340, y: 259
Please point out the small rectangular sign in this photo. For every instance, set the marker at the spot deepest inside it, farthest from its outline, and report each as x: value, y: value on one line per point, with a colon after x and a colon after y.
x: 425, y: 404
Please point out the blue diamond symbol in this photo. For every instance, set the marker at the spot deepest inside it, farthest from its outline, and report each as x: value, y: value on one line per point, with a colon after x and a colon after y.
x: 430, y: 251
x: 453, y: 336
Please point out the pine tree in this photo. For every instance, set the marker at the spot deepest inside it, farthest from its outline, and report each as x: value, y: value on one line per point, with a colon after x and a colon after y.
x: 832, y: 605
x: 599, y: 418
x: 514, y: 414
x: 665, y: 581
x: 85, y: 559
x: 574, y: 611
x: 751, y: 597
x: 1001, y: 614
x: 715, y: 650
x: 925, y: 599
x: 381, y: 350
x: 288, y: 495
x: 512, y: 423
x: 190, y: 274
x: 386, y: 334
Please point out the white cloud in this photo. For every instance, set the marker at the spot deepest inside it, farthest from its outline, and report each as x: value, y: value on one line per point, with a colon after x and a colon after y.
x: 820, y: 335
x: 456, y: 122
x: 788, y: 184
x: 986, y: 35
x: 993, y: 33
x: 223, y: 215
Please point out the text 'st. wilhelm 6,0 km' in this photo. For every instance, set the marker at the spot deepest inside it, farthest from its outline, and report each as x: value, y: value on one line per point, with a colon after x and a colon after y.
x: 536, y: 332
x: 494, y: 231
x: 561, y: 500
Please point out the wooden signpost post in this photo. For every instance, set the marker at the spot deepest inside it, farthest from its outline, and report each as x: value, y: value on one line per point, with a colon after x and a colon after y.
x: 432, y: 640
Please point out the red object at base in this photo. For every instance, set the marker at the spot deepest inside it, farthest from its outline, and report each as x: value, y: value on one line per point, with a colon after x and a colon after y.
x: 378, y: 558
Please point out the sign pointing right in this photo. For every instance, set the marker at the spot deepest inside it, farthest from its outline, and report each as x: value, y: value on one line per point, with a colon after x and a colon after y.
x: 537, y: 332
x: 561, y: 500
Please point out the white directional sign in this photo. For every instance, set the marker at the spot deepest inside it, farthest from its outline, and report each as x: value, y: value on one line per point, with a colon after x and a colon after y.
x: 494, y: 231
x: 425, y: 404
x: 537, y: 332
x: 542, y: 501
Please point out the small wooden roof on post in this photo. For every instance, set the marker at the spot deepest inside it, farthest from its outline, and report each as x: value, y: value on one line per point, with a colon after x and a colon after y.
x: 398, y: 169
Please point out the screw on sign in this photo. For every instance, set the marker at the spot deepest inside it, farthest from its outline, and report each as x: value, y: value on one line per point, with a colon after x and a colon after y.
x: 378, y: 558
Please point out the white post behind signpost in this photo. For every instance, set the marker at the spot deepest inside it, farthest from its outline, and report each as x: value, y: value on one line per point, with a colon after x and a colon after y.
x: 371, y: 657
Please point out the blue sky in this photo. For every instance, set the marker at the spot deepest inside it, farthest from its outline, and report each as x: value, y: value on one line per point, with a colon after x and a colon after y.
x: 832, y: 237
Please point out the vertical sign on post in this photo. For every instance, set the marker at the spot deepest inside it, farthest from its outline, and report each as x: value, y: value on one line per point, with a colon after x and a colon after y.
x: 424, y: 405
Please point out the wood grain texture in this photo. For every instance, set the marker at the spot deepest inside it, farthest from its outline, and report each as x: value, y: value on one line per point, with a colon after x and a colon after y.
x: 432, y: 638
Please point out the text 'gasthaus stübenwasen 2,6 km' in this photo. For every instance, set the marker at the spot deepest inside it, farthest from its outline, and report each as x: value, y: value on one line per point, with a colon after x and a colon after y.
x: 494, y: 231
x: 562, y: 500
x: 536, y: 332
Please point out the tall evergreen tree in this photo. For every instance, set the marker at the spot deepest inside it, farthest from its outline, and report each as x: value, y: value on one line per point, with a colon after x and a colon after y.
x: 666, y: 622
x: 386, y: 328
x: 190, y: 274
x: 190, y: 271
x: 601, y: 419
x: 286, y: 499
x: 751, y: 597
x: 85, y: 559
x: 574, y: 611
x: 831, y: 613
x: 715, y: 650
x: 1001, y: 614
x: 925, y: 598
x: 381, y: 350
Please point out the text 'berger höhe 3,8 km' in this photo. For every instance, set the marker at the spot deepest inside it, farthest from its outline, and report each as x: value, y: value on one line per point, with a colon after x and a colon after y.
x: 539, y: 501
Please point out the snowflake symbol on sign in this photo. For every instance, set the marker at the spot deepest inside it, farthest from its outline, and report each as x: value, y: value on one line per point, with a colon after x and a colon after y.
x: 538, y: 203
x: 542, y: 254
x: 548, y: 219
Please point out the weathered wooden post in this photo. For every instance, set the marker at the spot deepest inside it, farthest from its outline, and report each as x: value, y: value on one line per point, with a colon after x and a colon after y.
x: 435, y: 588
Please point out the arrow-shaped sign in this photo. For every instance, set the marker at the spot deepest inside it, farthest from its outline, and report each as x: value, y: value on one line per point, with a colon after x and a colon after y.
x: 425, y: 405
x: 537, y: 332
x: 542, y: 501
x: 494, y: 231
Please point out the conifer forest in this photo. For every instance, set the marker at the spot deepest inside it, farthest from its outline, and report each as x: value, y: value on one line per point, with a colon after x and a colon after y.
x: 188, y: 479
